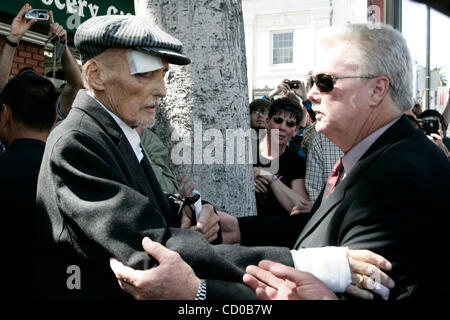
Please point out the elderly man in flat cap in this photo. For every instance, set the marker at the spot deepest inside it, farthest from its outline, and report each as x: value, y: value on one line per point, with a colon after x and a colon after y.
x: 97, y: 194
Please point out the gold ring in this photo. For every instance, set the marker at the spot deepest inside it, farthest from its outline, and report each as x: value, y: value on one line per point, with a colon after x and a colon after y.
x: 360, y: 282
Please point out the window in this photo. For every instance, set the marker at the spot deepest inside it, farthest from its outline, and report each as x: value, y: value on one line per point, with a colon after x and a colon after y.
x: 282, y: 48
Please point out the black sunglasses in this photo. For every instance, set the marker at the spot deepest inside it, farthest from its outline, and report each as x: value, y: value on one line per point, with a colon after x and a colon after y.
x: 325, y: 82
x: 279, y: 120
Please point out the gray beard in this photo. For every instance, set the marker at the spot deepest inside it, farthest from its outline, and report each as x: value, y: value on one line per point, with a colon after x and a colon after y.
x: 142, y: 124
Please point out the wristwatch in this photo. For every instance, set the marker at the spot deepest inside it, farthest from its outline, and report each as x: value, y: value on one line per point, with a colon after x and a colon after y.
x: 12, y: 44
x: 201, y: 293
x: 273, y: 178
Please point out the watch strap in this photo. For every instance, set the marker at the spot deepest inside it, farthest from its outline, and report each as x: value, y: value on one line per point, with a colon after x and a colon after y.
x: 12, y: 44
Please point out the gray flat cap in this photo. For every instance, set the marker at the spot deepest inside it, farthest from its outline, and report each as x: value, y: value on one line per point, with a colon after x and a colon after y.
x: 126, y: 31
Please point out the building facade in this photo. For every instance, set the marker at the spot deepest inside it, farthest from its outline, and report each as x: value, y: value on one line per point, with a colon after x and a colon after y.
x: 281, y: 36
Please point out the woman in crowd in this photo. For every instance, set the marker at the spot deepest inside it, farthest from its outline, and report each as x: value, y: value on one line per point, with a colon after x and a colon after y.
x: 279, y: 172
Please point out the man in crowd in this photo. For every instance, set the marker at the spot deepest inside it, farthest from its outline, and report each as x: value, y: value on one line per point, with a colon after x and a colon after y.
x: 27, y: 114
x: 379, y: 196
x: 259, y: 110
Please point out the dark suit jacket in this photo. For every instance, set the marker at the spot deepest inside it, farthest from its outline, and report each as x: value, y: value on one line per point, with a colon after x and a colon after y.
x: 95, y: 201
x: 19, y: 169
x: 394, y: 202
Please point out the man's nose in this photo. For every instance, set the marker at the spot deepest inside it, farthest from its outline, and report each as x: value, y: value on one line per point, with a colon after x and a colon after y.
x: 160, y: 89
x: 282, y: 126
x: 313, y: 95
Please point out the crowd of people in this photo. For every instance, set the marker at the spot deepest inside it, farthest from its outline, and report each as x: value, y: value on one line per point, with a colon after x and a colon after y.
x: 351, y: 198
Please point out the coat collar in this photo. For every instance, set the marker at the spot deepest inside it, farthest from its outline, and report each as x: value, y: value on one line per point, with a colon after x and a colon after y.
x: 395, y: 133
x: 92, y: 107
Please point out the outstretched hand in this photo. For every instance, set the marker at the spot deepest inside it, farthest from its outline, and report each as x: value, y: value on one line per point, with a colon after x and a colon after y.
x: 274, y: 281
x: 56, y: 28
x: 173, y: 279
x: 367, y: 277
x: 207, y: 224
x: 20, y: 25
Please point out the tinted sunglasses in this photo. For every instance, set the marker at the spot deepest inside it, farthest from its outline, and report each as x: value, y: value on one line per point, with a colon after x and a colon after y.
x: 279, y: 120
x: 325, y: 82
x: 259, y: 112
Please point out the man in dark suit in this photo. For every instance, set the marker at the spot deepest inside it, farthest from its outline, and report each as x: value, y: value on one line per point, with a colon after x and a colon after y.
x: 27, y: 114
x: 389, y: 191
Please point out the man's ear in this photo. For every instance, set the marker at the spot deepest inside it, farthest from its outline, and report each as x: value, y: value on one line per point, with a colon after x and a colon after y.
x: 379, y: 90
x: 5, y: 115
x: 94, y: 76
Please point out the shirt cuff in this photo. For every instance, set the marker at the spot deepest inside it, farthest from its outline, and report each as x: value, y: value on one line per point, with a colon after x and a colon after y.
x: 328, y: 264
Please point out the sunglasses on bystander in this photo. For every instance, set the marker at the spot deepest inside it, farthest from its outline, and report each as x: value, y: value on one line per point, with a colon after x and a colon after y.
x: 279, y: 120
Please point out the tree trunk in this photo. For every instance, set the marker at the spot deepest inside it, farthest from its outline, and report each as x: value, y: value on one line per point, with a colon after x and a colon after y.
x: 206, y: 105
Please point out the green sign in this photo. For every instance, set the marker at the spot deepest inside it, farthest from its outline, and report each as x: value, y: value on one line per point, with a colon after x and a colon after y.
x: 71, y: 13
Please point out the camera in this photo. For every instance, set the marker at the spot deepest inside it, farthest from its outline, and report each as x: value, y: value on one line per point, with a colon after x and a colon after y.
x: 38, y: 14
x: 429, y: 125
x: 292, y: 84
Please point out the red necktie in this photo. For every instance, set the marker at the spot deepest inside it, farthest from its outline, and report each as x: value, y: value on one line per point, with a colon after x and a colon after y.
x: 334, y: 177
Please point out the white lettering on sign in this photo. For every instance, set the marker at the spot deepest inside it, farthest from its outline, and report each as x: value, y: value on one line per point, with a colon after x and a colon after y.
x: 81, y: 5
x: 112, y: 10
x: 59, y: 5
x: 77, y: 7
x: 72, y: 6
x: 93, y: 8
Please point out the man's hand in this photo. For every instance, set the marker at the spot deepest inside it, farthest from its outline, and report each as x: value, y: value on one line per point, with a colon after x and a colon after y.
x: 230, y: 228
x: 20, y: 25
x: 282, y: 87
x: 301, y: 90
x: 274, y: 281
x: 208, y: 222
x: 367, y: 276
x: 56, y: 28
x: 186, y: 190
x: 173, y: 279
x: 438, y: 139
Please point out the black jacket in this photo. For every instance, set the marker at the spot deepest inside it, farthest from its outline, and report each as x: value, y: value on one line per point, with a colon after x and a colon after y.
x: 393, y: 202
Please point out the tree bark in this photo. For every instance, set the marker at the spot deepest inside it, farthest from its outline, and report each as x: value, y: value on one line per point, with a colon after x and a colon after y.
x: 207, y: 101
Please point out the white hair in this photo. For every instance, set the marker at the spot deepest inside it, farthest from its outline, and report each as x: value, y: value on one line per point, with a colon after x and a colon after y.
x: 377, y: 50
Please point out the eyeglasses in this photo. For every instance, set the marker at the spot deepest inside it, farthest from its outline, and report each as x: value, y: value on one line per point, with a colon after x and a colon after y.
x: 279, y: 120
x: 259, y: 112
x: 325, y: 82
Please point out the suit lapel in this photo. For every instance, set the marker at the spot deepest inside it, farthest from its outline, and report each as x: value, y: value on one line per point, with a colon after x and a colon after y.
x: 395, y: 133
